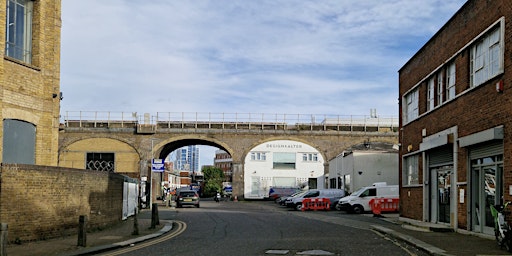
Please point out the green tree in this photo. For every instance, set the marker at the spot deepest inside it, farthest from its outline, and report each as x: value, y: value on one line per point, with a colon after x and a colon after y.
x: 213, y: 178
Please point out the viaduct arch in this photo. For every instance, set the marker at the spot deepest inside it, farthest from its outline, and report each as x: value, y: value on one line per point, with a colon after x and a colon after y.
x: 144, y: 142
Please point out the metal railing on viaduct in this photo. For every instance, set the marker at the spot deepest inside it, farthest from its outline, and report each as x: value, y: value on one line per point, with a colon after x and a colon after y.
x: 237, y: 121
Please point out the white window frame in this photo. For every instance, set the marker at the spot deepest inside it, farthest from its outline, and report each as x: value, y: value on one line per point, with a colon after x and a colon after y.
x: 440, y: 88
x: 450, y: 81
x: 310, y: 157
x: 410, y: 175
x: 258, y: 156
x: 18, y: 34
x: 410, y: 107
x: 487, y: 55
x: 430, y: 94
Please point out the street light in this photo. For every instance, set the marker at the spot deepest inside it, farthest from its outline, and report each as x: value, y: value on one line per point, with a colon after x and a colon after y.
x: 337, y: 170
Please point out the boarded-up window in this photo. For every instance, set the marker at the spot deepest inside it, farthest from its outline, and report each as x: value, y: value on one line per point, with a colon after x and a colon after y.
x: 19, y: 142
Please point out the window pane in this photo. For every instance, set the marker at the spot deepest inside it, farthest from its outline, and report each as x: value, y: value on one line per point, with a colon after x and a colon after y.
x: 486, y: 57
x: 410, y: 173
x: 284, y: 157
x: 284, y: 160
x: 18, y: 30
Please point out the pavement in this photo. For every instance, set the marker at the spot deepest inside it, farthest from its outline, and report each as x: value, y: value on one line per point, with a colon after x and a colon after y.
x: 114, y: 237
x: 434, y: 239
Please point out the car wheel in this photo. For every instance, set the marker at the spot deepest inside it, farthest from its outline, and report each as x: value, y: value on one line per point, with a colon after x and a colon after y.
x: 357, y: 209
x: 298, y: 207
x: 178, y: 205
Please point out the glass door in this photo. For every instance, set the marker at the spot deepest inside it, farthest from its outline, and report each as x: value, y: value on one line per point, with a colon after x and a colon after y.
x: 255, y: 186
x: 487, y: 190
x: 443, y: 188
x: 440, y: 194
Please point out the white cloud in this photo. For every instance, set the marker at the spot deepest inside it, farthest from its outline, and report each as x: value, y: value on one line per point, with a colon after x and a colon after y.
x: 297, y: 56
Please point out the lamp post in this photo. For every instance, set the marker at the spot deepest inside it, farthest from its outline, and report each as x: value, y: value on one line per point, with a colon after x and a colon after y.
x: 151, y: 175
x: 337, y: 170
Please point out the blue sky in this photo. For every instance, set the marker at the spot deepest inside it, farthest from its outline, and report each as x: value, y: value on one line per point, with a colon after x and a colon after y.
x: 338, y: 57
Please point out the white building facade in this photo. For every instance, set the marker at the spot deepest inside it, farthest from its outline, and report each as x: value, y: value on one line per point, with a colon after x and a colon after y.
x: 282, y: 163
x: 363, y: 165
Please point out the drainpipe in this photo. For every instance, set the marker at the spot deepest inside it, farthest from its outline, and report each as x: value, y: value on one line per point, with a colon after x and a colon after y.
x: 426, y: 189
x: 455, y: 187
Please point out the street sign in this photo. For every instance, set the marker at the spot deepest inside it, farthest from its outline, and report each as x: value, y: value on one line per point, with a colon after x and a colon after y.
x: 157, y: 165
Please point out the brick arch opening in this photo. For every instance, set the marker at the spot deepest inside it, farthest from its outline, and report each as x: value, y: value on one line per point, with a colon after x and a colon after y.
x: 171, y: 146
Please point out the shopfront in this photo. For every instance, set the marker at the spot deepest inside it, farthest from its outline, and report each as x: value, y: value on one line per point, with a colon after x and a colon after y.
x: 485, y: 171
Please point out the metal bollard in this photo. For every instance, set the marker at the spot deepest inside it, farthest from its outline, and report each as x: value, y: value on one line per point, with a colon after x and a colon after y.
x: 135, y: 224
x: 3, y: 239
x: 82, y: 232
x: 155, y: 220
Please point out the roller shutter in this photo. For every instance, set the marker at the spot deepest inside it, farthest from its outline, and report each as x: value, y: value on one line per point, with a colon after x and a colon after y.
x: 486, y: 149
x: 441, y: 155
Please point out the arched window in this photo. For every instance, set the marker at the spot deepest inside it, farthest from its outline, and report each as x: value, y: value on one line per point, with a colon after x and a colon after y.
x: 19, y: 142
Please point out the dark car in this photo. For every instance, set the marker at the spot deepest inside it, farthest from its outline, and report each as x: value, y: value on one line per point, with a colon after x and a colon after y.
x: 187, y: 197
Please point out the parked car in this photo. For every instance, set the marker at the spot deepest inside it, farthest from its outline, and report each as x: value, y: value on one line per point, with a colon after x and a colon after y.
x: 332, y: 194
x: 187, y: 197
x: 359, y: 201
x: 282, y: 200
x: 277, y: 192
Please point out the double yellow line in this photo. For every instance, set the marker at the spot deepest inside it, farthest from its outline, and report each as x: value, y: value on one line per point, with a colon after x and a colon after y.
x: 178, y: 228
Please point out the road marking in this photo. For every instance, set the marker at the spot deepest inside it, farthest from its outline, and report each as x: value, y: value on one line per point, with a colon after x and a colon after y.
x: 315, y: 252
x: 278, y: 252
x: 180, y: 228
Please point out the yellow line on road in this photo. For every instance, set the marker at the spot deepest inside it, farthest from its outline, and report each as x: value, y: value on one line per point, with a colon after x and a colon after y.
x: 179, y: 228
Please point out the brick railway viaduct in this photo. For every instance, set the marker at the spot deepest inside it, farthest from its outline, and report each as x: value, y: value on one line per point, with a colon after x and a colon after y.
x: 135, y: 144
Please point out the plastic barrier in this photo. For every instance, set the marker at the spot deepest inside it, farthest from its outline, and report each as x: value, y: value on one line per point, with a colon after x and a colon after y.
x: 316, y: 204
x: 379, y: 205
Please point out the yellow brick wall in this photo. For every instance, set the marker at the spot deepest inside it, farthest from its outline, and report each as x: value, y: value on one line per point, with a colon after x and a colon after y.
x: 26, y: 90
x: 127, y: 159
x: 42, y: 202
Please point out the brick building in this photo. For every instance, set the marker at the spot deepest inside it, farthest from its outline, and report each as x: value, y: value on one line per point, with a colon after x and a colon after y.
x: 52, y: 198
x: 456, y: 120
x: 224, y: 161
x: 30, y: 81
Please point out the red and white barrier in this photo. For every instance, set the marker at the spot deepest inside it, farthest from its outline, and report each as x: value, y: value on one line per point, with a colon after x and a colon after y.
x: 316, y: 204
x: 379, y: 205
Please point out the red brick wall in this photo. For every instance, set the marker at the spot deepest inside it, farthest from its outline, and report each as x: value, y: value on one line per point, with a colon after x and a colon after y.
x: 41, y: 202
x: 476, y: 110
x: 411, y: 198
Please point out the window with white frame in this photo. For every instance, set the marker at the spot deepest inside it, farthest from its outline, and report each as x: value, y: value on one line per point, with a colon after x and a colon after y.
x: 411, y: 106
x: 258, y: 156
x: 486, y: 56
x: 450, y: 81
x: 18, y: 34
x: 440, y: 88
x: 430, y: 94
x: 310, y: 157
x: 410, y: 170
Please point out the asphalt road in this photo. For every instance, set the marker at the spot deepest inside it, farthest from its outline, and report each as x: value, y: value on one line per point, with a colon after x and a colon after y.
x: 264, y: 228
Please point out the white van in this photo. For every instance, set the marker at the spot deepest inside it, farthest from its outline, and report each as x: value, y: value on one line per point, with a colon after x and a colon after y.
x: 359, y: 201
x: 333, y: 194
